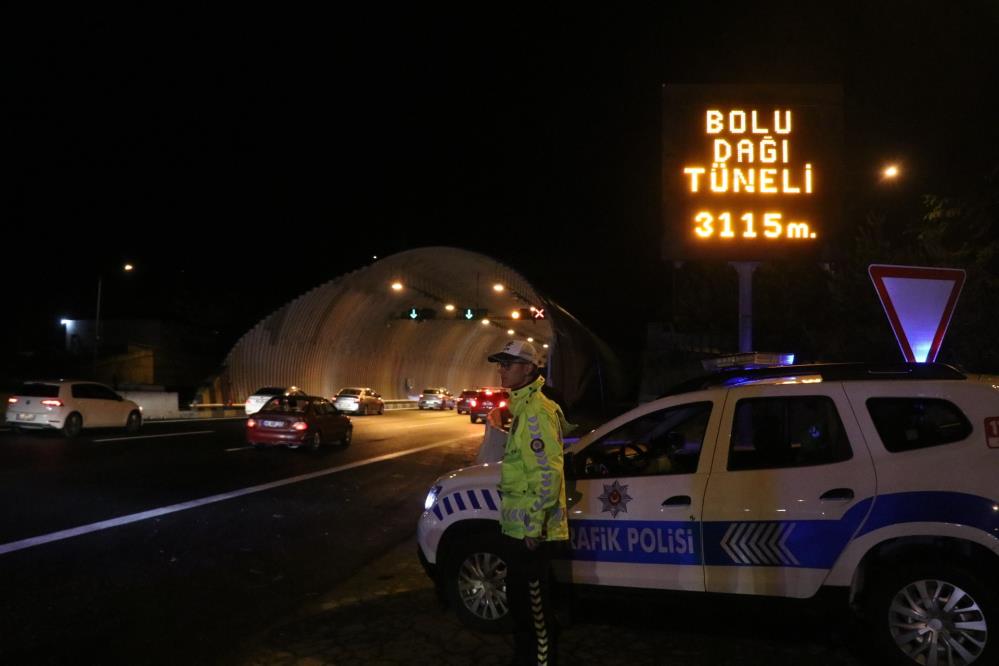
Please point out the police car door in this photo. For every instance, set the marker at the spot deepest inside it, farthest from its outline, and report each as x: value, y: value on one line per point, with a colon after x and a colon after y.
x: 791, y: 482
x: 635, y: 497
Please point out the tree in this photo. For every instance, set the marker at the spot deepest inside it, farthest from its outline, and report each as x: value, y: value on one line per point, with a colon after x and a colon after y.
x: 954, y: 231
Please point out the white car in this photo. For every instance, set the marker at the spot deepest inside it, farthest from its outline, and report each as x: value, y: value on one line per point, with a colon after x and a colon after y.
x: 261, y: 396
x: 881, y: 481
x: 71, y: 406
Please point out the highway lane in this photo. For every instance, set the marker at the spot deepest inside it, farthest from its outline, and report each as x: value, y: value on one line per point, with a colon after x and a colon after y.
x: 48, y: 483
x: 189, y: 586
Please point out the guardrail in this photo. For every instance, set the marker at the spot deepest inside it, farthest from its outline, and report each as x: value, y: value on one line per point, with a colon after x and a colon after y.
x: 400, y: 404
x: 210, y: 411
x: 221, y: 410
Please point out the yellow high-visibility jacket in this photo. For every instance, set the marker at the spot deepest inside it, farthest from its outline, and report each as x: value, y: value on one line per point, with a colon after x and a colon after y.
x: 532, y: 482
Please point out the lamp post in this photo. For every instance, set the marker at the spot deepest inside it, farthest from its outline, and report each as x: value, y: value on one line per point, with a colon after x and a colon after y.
x: 97, y: 324
x: 127, y: 268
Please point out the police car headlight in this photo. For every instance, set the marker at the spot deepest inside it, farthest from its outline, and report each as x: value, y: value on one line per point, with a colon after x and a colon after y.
x: 431, y: 498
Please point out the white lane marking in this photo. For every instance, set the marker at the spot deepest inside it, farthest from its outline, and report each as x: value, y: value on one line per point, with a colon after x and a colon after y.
x: 240, y: 448
x: 14, y: 546
x: 169, y: 434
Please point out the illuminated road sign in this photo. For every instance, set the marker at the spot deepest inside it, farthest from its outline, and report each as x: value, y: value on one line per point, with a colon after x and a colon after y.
x: 419, y: 314
x: 919, y: 302
x: 471, y: 314
x: 750, y: 172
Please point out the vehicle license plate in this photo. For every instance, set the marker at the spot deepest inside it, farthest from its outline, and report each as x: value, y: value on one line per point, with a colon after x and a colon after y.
x: 273, y: 424
x: 25, y: 417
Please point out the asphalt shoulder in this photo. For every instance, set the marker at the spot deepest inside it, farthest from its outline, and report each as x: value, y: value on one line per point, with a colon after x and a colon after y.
x: 388, y: 614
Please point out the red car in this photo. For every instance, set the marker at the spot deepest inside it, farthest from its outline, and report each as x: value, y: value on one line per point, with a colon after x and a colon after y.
x: 485, y: 401
x: 464, y: 404
x: 295, y: 421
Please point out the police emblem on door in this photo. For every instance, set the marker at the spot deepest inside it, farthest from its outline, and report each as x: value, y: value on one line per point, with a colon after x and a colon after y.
x: 615, y: 499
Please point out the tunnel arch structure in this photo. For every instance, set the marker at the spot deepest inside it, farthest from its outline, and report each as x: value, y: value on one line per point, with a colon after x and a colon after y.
x: 350, y: 331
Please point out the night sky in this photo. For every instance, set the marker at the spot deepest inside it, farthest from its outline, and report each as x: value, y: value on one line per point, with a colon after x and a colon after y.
x: 239, y: 159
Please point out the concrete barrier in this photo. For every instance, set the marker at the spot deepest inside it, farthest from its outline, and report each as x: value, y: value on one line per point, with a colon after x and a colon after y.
x: 213, y: 412
x: 155, y: 404
x: 400, y: 404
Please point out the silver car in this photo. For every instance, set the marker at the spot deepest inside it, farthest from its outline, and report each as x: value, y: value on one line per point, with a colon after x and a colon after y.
x: 359, y: 400
x: 436, y: 398
x: 261, y: 396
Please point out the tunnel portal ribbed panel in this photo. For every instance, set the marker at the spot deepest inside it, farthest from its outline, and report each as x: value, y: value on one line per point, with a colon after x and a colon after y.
x: 348, y: 332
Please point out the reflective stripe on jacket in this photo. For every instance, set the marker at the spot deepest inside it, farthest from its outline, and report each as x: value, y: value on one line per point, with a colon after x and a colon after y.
x: 532, y: 481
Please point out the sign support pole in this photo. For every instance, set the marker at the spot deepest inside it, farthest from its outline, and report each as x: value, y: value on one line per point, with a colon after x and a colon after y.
x: 745, y: 270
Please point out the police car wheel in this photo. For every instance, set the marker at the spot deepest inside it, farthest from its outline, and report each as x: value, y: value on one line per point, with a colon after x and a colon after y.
x: 926, y: 614
x: 475, y: 580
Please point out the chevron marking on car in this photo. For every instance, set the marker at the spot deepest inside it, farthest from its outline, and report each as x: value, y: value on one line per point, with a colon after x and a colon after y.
x: 456, y: 502
x: 759, y: 543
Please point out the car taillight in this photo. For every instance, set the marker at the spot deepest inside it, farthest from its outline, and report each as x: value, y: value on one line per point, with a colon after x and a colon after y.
x: 251, y: 423
x: 11, y: 401
x: 52, y: 403
x: 472, y: 403
x: 300, y: 426
x: 489, y: 392
x: 502, y: 404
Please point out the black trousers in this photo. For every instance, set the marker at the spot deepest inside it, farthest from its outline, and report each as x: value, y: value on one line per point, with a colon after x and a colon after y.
x: 528, y: 590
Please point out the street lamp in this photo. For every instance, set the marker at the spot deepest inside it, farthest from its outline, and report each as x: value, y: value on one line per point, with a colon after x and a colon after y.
x: 128, y: 268
x: 890, y: 172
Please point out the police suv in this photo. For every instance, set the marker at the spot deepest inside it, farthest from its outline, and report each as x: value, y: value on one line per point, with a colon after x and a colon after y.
x: 880, y: 480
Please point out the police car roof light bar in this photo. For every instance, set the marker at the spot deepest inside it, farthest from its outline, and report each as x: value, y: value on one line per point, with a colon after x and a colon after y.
x: 829, y: 372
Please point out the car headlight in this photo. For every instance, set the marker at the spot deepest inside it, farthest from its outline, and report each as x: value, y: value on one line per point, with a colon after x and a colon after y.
x: 431, y: 498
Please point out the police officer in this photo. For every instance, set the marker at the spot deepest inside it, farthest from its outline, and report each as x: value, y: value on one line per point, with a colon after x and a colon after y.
x: 533, y: 513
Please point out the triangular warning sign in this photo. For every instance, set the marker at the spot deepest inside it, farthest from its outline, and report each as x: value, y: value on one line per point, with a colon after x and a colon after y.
x: 919, y: 302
